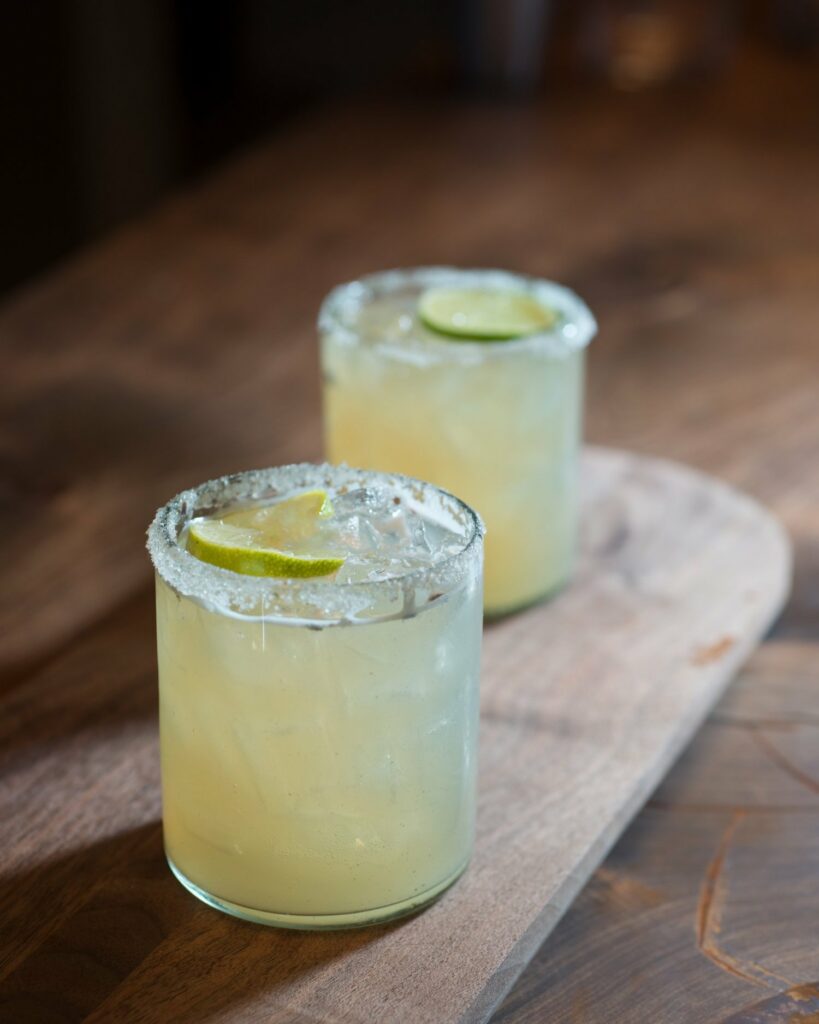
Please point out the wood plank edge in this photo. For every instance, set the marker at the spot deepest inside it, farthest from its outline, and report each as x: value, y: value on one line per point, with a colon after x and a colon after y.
x: 781, y: 554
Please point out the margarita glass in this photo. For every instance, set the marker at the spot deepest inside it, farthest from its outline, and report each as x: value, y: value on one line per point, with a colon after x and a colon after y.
x: 497, y: 422
x: 318, y: 736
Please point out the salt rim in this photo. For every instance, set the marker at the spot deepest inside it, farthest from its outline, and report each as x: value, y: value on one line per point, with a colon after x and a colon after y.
x: 574, y: 330
x: 227, y: 592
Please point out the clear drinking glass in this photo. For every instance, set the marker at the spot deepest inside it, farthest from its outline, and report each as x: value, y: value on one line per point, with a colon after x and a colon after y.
x: 318, y: 736
x: 496, y: 422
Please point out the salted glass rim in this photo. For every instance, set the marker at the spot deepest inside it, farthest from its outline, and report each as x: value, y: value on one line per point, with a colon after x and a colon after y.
x: 573, y: 331
x: 225, y: 591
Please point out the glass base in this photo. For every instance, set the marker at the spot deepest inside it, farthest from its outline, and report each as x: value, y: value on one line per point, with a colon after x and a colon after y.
x: 320, y: 922
x: 496, y: 614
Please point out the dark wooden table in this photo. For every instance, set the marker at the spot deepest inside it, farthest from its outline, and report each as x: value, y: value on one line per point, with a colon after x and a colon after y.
x: 184, y: 347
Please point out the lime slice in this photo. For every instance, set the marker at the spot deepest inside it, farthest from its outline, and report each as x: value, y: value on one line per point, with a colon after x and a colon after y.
x: 483, y: 315
x: 259, y: 541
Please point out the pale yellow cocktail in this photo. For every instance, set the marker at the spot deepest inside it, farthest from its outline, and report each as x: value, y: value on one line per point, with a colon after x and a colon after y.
x: 497, y: 422
x: 318, y: 736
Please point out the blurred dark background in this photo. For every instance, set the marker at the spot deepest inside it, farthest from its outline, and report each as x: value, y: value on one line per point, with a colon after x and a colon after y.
x: 108, y: 106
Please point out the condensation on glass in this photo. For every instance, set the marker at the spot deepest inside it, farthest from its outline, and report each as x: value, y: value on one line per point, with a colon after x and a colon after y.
x: 318, y: 738
x: 497, y: 423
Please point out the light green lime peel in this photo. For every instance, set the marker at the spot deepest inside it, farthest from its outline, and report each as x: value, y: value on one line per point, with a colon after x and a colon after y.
x: 255, y: 541
x: 483, y: 315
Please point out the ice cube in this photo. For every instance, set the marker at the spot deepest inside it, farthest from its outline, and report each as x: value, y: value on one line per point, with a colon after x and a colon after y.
x: 382, y: 535
x: 358, y: 501
x: 417, y: 537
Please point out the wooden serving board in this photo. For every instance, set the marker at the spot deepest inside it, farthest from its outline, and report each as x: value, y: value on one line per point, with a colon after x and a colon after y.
x: 586, y: 702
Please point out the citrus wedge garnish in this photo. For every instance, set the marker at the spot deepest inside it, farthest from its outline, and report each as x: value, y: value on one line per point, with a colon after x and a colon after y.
x: 264, y: 540
x: 483, y: 314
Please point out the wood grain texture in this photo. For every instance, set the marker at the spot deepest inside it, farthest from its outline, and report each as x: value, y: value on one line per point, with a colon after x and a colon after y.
x: 679, y: 576
x: 183, y: 347
x: 706, y: 909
